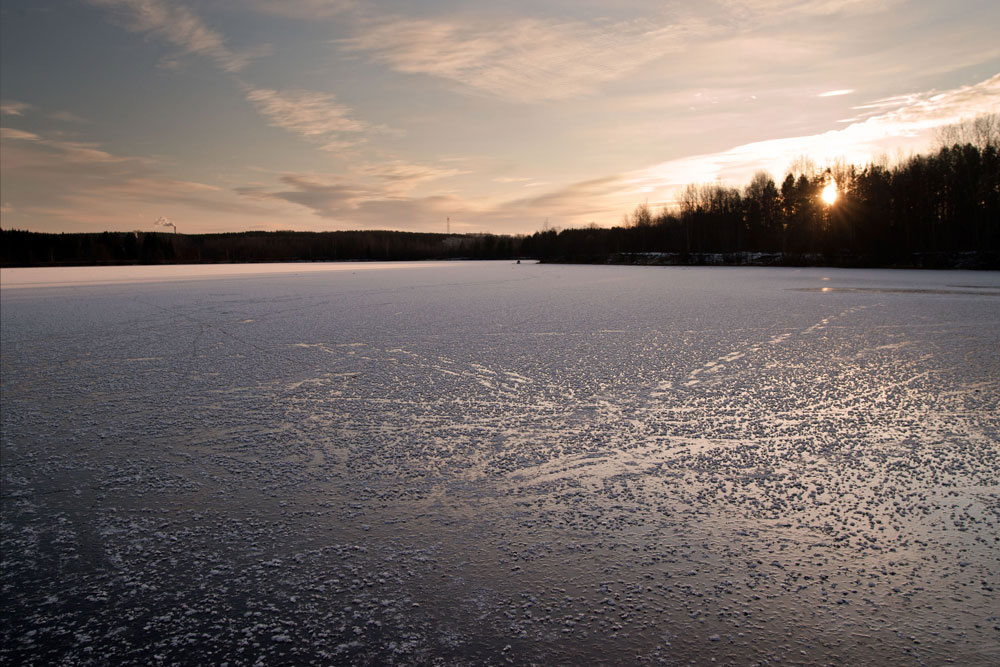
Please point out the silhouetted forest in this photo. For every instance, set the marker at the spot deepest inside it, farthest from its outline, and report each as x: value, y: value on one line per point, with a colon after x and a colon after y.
x: 20, y: 248
x: 936, y: 211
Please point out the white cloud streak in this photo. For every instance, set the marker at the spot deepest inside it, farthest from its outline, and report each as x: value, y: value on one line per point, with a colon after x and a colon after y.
x: 349, y: 202
x: 12, y: 108
x: 813, y: 8
x: 367, y: 188
x: 69, y: 151
x: 313, y: 115
x: 398, y: 178
x: 74, y: 186
x: 306, y: 10
x: 180, y: 27
x: 907, y: 126
x: 524, y: 60
x: 67, y: 117
x: 520, y: 60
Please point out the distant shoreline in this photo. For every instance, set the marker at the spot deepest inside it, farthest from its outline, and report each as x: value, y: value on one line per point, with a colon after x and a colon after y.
x: 961, y: 261
x: 572, y: 246
x: 968, y: 261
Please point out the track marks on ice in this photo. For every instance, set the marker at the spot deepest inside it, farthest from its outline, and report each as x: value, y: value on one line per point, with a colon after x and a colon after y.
x: 719, y: 364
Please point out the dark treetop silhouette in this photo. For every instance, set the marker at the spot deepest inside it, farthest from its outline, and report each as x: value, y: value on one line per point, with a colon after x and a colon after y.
x: 936, y: 210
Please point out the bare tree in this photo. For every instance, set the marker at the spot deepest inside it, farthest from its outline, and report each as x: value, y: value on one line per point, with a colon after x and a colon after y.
x: 803, y: 165
x: 642, y: 216
x: 981, y: 131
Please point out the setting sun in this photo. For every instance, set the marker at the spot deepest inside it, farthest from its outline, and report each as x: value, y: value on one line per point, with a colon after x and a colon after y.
x: 829, y: 194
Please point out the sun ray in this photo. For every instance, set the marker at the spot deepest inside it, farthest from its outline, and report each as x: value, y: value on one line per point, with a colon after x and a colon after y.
x: 829, y: 194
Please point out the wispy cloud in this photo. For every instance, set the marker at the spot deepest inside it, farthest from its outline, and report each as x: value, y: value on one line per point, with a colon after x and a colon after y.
x: 353, y: 205
x: 353, y: 197
x: 511, y: 179
x: 12, y: 134
x: 349, y: 203
x: 69, y: 151
x: 370, y: 196
x: 179, y: 26
x: 398, y: 177
x: 706, y: 78
x: 12, y: 108
x: 137, y: 203
x: 67, y: 117
x: 522, y: 60
x: 813, y: 8
x: 934, y: 108
x: 308, y: 10
x: 601, y: 200
x: 604, y: 200
x: 383, y: 195
x: 314, y: 115
x: 310, y: 114
x: 328, y: 198
x: 84, y: 186
x: 898, y: 123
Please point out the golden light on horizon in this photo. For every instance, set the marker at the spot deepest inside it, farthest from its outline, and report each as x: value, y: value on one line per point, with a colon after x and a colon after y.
x: 829, y: 194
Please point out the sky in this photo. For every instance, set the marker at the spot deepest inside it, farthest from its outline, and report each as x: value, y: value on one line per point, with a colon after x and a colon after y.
x: 509, y: 118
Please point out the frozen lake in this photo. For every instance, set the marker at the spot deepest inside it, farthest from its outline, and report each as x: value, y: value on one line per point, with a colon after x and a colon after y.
x: 489, y: 463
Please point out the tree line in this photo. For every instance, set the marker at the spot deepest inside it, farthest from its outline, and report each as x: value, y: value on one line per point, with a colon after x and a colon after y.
x: 940, y: 209
x: 22, y: 248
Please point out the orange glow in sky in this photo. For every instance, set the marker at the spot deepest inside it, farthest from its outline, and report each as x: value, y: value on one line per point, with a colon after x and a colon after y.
x: 468, y: 117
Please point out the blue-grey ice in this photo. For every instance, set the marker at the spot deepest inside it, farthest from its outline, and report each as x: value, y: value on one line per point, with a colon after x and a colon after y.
x: 492, y: 463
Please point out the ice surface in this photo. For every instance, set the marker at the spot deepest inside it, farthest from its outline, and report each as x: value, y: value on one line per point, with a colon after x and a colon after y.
x: 483, y: 463
x: 110, y: 275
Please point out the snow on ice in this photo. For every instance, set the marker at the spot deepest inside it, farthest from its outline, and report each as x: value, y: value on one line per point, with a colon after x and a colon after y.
x: 490, y: 463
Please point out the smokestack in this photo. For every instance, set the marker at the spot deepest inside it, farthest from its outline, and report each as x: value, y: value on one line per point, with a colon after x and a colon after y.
x: 163, y: 222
